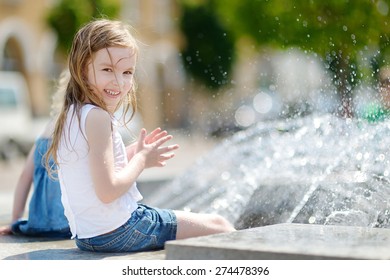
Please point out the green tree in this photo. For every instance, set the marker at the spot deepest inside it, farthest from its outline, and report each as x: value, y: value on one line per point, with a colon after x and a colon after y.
x: 209, y: 52
x: 339, y: 31
x: 68, y: 15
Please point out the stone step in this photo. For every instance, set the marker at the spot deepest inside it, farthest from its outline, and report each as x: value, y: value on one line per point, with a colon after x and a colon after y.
x: 34, y: 248
x: 284, y: 242
x: 275, y: 242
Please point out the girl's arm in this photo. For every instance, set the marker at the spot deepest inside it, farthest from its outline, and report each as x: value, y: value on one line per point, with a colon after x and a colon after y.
x: 23, y: 186
x: 22, y: 190
x: 149, y: 152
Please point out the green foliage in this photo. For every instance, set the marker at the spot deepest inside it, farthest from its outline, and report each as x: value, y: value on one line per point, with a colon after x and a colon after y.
x: 315, y: 25
x: 67, y: 17
x: 340, y: 31
x: 209, y: 52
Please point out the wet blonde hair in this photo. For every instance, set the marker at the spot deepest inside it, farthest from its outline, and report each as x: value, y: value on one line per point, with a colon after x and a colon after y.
x: 92, y: 37
x: 59, y: 93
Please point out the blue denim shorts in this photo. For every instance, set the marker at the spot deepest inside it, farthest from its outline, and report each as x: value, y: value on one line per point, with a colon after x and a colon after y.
x: 147, y: 229
x: 23, y: 227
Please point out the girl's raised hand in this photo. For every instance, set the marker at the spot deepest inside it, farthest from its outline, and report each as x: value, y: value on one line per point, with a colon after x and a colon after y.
x: 150, y: 138
x: 150, y: 146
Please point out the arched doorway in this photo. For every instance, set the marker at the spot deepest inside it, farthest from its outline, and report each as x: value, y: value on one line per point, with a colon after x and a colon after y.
x: 12, y: 56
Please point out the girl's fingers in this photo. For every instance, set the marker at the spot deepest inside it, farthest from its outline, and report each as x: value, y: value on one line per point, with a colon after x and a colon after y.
x: 142, y: 136
x: 155, y: 132
x: 165, y: 157
x: 160, y: 135
x: 162, y: 140
x: 157, y: 137
x: 168, y: 149
x: 150, y: 138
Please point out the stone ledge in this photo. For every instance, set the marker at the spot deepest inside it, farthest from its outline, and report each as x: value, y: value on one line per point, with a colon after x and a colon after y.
x: 281, y: 241
x: 25, y: 248
x: 286, y: 241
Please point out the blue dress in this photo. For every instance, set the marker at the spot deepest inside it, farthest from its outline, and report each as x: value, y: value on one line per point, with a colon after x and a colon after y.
x: 46, y: 214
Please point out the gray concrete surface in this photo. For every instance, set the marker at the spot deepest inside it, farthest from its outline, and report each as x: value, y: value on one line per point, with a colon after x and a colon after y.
x: 24, y: 248
x: 275, y: 242
x: 286, y: 242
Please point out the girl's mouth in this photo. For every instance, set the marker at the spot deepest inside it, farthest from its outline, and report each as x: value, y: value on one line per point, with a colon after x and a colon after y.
x: 111, y: 92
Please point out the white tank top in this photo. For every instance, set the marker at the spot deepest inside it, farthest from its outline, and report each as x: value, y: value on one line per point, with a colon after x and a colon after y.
x: 87, y: 215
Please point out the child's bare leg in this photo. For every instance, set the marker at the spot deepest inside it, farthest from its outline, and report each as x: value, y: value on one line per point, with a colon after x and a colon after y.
x: 195, y: 224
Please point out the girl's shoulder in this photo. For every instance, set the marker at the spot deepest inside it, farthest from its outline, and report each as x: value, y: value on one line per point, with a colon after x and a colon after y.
x: 86, y: 108
x: 97, y: 118
x: 89, y: 110
x: 99, y: 114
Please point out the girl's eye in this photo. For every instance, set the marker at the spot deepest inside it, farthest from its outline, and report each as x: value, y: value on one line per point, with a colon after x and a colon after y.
x: 107, y: 69
x: 128, y: 72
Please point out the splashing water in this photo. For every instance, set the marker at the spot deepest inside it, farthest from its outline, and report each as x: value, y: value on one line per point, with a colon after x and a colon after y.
x: 319, y: 169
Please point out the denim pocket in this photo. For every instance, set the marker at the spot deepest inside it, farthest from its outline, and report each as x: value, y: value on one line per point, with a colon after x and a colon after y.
x: 139, y: 241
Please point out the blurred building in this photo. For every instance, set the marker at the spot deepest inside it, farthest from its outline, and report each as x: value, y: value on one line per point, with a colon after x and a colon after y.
x: 27, y: 45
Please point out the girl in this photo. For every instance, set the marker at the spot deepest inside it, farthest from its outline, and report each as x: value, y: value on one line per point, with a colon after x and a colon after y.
x: 97, y: 173
x: 46, y: 214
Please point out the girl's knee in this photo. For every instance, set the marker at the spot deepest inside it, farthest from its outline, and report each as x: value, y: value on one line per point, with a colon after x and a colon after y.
x: 195, y: 224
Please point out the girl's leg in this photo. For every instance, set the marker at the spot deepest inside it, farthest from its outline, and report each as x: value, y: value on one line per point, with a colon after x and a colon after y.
x: 195, y: 224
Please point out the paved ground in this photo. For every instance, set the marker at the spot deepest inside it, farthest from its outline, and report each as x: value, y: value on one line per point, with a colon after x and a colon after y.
x: 13, y: 247
x: 287, y: 241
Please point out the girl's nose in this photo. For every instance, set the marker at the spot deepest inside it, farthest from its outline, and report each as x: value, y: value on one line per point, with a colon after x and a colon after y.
x: 119, y: 81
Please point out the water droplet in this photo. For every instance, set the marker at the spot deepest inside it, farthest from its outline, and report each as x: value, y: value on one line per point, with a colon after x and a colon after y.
x: 225, y: 176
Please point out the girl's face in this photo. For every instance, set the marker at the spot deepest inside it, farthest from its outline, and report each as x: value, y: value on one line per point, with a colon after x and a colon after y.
x: 111, y: 74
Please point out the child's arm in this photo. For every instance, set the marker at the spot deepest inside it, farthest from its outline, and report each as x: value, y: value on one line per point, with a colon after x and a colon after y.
x: 23, y: 187
x: 21, y: 192
x: 111, y: 184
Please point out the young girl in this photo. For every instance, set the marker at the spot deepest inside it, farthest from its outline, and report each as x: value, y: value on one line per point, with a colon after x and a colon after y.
x: 97, y: 173
x: 46, y: 214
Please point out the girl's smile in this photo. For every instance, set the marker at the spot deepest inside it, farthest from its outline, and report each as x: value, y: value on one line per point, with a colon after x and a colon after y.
x: 111, y: 74
x: 112, y: 93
